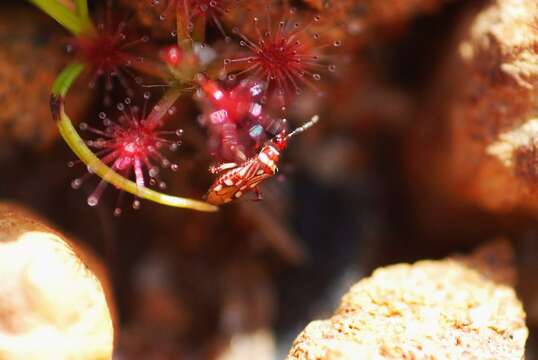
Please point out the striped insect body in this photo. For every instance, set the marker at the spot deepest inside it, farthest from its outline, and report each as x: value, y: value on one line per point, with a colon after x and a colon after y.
x: 234, y: 180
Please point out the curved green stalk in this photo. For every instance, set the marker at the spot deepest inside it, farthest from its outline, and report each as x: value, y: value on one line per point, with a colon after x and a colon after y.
x: 78, y: 146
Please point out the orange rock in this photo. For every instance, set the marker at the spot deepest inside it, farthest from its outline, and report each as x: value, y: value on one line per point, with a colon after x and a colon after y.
x: 52, y: 297
x: 429, y: 310
x: 480, y: 122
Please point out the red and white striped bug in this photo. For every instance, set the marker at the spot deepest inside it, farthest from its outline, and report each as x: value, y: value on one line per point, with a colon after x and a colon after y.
x: 238, y: 179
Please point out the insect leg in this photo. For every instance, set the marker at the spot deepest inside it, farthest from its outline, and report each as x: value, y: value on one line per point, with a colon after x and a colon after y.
x: 220, y: 168
x: 258, y: 193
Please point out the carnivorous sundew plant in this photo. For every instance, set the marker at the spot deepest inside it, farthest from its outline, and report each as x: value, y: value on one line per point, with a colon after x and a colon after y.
x: 261, y: 51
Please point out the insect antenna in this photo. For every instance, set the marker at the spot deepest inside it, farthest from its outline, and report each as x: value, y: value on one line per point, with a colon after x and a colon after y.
x: 306, y: 126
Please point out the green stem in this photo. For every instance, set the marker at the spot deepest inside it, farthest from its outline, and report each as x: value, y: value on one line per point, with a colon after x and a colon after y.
x: 82, y: 8
x: 78, y: 146
x: 61, y: 14
x: 66, y: 78
x: 183, y: 39
x: 155, y: 117
x: 84, y: 16
x: 198, y: 32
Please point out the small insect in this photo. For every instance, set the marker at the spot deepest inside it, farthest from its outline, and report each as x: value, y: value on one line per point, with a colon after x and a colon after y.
x: 237, y: 179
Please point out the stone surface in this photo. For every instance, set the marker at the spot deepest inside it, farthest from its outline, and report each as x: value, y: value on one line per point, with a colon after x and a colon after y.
x: 479, y: 120
x: 52, y: 299
x: 428, y: 310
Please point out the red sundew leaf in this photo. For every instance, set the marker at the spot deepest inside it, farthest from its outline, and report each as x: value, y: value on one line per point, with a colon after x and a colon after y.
x: 286, y: 55
x: 108, y: 53
x: 132, y: 146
